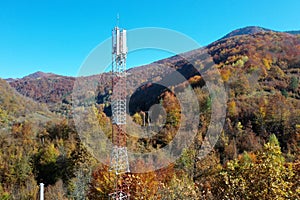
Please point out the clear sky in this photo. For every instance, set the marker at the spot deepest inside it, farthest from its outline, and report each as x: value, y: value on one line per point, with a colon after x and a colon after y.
x: 56, y: 35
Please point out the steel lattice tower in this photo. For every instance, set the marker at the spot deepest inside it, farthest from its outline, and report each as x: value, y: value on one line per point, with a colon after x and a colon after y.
x: 119, y: 158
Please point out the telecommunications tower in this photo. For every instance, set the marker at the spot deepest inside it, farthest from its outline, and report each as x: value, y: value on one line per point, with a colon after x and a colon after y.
x: 119, y: 158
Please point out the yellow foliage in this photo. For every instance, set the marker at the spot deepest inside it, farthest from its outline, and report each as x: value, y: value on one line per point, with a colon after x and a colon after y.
x: 49, y: 155
x: 261, y: 176
x: 3, y: 117
x: 232, y: 108
x: 225, y: 74
x: 267, y: 63
x: 137, y: 118
x: 195, y: 79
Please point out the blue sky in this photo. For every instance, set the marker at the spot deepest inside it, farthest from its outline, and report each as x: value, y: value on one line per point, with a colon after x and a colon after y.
x: 56, y: 36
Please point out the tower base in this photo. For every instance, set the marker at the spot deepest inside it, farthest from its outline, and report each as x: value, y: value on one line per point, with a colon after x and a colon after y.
x: 119, y: 160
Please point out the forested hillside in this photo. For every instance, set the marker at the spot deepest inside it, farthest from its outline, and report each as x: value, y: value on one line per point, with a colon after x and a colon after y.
x: 256, y: 155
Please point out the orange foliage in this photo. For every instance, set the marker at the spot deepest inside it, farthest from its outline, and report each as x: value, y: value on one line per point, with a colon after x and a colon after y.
x: 225, y: 74
x: 141, y: 185
x: 195, y: 80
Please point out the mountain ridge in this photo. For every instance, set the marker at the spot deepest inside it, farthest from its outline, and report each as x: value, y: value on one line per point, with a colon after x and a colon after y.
x: 39, y: 74
x: 253, y: 30
x: 37, y: 85
x: 237, y: 32
x: 245, y: 31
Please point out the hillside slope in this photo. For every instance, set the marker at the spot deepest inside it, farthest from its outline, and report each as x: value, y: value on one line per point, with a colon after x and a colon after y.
x: 15, y: 108
x: 55, y: 89
x: 253, y: 30
x: 260, y: 71
x: 246, y: 31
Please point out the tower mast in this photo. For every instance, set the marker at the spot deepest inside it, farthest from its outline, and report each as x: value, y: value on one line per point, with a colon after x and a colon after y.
x: 119, y: 158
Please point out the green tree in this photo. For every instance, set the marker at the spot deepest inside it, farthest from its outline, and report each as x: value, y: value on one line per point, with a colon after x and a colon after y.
x: 294, y: 84
x: 186, y: 162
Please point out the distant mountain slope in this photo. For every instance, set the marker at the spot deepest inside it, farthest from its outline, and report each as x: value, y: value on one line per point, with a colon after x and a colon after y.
x: 35, y: 75
x: 280, y: 49
x: 246, y: 31
x: 13, y: 102
x: 273, y: 57
x: 253, y: 30
x: 44, y: 87
x: 54, y: 89
x: 268, y: 59
x: 17, y: 108
x: 38, y: 74
x: 293, y: 32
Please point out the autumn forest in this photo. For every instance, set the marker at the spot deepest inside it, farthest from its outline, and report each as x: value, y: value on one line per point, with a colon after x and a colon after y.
x: 255, y: 154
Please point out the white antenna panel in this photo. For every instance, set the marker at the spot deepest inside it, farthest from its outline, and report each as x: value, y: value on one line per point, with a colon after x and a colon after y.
x: 124, y: 42
x: 118, y: 41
